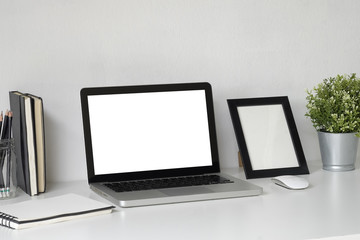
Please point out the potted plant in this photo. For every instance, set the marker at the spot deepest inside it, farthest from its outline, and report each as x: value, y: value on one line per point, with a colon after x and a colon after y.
x: 333, y: 107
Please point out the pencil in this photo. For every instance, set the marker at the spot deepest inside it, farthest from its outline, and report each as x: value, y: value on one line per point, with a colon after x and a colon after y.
x: 8, y: 131
x: 5, y: 125
x: 11, y: 114
x: 1, y: 120
x: 2, y: 160
x: 9, y: 156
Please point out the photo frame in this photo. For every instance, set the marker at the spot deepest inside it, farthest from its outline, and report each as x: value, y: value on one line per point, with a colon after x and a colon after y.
x: 267, y: 137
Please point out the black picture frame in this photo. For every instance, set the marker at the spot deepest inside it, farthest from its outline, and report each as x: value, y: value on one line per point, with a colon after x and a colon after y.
x: 267, y: 137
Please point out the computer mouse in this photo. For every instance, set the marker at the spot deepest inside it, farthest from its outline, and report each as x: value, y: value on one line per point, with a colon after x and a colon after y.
x: 291, y: 182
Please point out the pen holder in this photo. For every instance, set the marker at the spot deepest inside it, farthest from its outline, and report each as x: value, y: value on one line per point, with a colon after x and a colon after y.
x: 8, y: 183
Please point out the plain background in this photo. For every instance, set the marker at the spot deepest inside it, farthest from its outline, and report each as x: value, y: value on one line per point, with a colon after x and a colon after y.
x: 244, y: 48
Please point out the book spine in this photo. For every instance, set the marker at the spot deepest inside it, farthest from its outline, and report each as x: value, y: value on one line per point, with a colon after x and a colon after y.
x: 19, y: 128
x: 30, y: 136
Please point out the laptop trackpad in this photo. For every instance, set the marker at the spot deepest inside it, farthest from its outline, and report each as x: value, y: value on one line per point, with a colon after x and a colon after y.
x: 185, y: 191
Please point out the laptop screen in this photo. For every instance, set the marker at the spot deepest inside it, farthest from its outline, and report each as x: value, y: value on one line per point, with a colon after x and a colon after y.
x: 137, y: 131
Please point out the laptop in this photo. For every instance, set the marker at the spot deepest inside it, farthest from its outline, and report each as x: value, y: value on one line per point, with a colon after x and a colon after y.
x: 155, y: 144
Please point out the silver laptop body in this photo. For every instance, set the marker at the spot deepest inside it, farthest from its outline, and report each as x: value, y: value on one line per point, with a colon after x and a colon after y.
x: 136, y: 133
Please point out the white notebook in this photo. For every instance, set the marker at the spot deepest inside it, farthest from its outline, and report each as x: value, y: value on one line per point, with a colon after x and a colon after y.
x: 50, y: 210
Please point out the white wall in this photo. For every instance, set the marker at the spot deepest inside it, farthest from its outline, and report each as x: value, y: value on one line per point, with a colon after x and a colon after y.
x: 244, y: 48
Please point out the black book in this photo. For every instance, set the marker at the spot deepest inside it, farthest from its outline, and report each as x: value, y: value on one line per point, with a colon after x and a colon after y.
x: 17, y: 106
x: 25, y: 143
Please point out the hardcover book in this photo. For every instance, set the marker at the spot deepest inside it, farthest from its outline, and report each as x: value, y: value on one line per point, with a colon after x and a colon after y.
x: 29, y: 136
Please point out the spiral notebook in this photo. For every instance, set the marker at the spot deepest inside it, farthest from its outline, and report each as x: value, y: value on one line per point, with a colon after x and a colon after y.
x: 37, y: 212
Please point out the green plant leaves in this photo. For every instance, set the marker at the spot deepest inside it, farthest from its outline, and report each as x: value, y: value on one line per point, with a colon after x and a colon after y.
x: 333, y: 105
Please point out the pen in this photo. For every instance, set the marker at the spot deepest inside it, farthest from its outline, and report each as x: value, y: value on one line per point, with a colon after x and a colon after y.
x: 5, y: 125
x: 8, y: 150
x: 1, y: 120
x: 1, y: 161
x: 4, y: 155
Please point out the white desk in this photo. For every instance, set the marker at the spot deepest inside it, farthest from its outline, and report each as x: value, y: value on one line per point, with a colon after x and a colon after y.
x: 329, y: 207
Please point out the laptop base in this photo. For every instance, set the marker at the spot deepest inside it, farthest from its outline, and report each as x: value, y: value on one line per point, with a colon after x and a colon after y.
x: 238, y: 188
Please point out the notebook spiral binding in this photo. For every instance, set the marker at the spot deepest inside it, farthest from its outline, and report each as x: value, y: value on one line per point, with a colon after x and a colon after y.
x: 6, y: 220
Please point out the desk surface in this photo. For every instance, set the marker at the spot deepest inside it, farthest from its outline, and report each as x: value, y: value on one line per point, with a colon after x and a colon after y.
x: 329, y: 207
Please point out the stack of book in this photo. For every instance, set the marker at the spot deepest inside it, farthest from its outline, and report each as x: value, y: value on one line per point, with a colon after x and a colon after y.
x: 28, y: 133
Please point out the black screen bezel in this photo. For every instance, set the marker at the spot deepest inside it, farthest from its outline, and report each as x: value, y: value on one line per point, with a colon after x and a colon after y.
x: 90, y: 91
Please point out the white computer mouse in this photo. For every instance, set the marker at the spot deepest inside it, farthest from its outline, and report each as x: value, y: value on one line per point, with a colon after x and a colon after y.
x: 291, y: 182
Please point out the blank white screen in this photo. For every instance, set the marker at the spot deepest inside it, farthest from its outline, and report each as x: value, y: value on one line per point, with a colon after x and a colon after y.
x: 149, y: 131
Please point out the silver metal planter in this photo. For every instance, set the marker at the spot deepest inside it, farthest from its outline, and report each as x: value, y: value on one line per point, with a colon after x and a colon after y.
x: 338, y: 151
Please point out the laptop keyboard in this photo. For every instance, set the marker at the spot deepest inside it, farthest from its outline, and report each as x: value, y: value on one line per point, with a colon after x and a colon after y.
x: 149, y: 184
